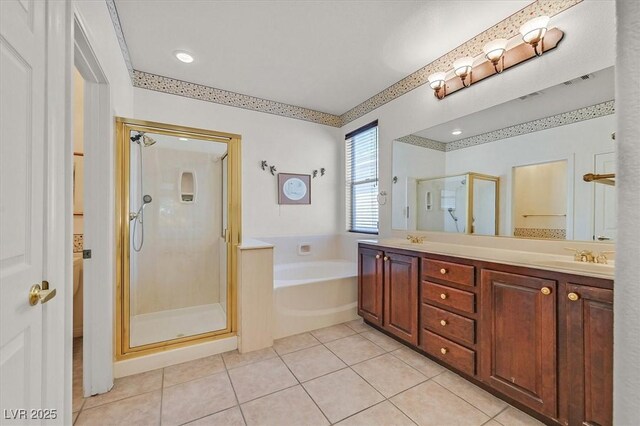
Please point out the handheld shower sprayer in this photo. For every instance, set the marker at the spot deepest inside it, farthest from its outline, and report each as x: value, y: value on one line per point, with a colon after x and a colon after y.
x: 138, y: 218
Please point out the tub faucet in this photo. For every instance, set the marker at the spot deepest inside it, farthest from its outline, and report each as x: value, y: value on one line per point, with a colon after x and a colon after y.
x: 415, y: 239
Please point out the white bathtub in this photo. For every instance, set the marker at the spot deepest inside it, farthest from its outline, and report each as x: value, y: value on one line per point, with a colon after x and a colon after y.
x: 311, y: 295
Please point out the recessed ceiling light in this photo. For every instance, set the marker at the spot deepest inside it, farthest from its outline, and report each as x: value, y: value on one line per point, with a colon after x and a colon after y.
x: 184, y: 56
x: 183, y: 139
x: 456, y: 132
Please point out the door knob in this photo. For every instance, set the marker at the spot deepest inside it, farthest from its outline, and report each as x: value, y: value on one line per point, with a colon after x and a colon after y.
x: 40, y: 294
x: 378, y: 256
x: 545, y: 290
x: 573, y: 296
x: 386, y: 258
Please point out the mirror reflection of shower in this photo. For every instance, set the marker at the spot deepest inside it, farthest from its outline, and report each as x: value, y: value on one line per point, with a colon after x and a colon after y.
x: 143, y: 141
x: 458, y: 196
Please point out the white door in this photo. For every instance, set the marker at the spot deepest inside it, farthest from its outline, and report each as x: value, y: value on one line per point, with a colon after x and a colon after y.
x: 605, y: 200
x: 22, y: 179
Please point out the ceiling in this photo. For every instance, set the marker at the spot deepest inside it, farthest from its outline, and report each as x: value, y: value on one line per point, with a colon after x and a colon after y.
x: 323, y: 55
x: 544, y: 103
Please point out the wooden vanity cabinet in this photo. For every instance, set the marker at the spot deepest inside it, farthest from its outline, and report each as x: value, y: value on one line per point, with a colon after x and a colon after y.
x: 370, y: 285
x: 542, y: 340
x: 589, y: 327
x: 401, y: 296
x: 388, y: 291
x: 518, y: 320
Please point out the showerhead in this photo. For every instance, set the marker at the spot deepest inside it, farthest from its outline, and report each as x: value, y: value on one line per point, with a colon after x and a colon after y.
x: 146, y: 199
x: 146, y: 140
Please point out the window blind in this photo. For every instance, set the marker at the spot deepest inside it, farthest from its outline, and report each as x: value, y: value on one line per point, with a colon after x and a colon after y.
x: 361, y: 157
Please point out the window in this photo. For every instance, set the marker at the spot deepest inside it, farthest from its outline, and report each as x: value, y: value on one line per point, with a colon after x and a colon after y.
x: 362, y: 179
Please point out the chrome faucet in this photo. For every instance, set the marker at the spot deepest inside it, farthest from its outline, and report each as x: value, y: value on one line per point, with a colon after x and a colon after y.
x: 415, y: 239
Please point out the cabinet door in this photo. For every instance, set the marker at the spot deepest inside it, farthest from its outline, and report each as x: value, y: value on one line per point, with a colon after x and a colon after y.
x: 370, y: 273
x: 401, y: 296
x: 518, y: 340
x: 590, y: 355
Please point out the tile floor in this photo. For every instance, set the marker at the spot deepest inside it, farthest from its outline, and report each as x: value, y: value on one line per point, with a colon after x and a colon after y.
x: 348, y: 374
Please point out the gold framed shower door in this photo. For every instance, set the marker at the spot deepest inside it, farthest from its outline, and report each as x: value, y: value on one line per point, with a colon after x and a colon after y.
x: 124, y: 126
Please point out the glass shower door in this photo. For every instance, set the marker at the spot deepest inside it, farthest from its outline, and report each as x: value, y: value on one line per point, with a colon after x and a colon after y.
x: 178, y: 282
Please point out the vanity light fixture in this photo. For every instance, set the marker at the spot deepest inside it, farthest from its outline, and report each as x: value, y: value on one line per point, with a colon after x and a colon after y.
x: 533, y: 33
x: 462, y: 67
x: 183, y: 56
x: 437, y: 83
x: 494, y: 51
x: 536, y: 39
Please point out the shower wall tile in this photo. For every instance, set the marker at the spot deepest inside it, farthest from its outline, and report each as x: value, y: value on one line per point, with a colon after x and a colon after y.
x: 178, y: 266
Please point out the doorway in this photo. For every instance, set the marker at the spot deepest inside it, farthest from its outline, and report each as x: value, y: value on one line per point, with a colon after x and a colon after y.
x: 78, y: 237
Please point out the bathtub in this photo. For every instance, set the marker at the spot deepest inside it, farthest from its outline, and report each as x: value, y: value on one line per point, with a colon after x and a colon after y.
x: 312, y: 295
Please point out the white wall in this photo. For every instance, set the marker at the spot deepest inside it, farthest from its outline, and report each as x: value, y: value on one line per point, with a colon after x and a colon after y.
x: 626, y: 381
x: 293, y: 146
x: 413, y: 162
x: 579, y: 53
x: 577, y: 143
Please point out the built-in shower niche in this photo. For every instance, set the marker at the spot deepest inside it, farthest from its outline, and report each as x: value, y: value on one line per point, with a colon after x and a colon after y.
x: 187, y: 186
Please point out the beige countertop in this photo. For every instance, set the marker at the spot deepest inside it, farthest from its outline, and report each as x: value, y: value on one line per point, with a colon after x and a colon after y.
x: 536, y: 260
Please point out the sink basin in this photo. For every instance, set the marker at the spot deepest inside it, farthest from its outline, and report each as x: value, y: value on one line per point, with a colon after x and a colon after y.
x: 580, y: 266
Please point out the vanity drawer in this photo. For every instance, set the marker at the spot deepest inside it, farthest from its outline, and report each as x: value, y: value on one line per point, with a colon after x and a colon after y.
x: 448, y: 324
x: 452, y: 272
x: 452, y: 353
x: 448, y: 296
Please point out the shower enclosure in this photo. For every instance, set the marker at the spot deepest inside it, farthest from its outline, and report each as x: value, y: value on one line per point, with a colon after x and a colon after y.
x: 179, y: 226
x: 464, y: 204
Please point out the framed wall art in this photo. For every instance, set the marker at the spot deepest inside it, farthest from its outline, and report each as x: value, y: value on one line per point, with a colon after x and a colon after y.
x: 294, y: 188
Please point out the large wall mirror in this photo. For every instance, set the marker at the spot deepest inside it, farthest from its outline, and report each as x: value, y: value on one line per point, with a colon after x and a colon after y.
x: 540, y: 166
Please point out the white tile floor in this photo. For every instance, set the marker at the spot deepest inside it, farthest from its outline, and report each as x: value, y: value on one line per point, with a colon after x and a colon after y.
x: 349, y: 374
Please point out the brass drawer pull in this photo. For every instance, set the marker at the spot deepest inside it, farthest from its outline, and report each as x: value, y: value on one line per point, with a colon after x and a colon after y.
x: 545, y: 290
x: 444, y: 351
x: 573, y: 296
x: 443, y: 322
x: 443, y: 271
x: 443, y: 296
